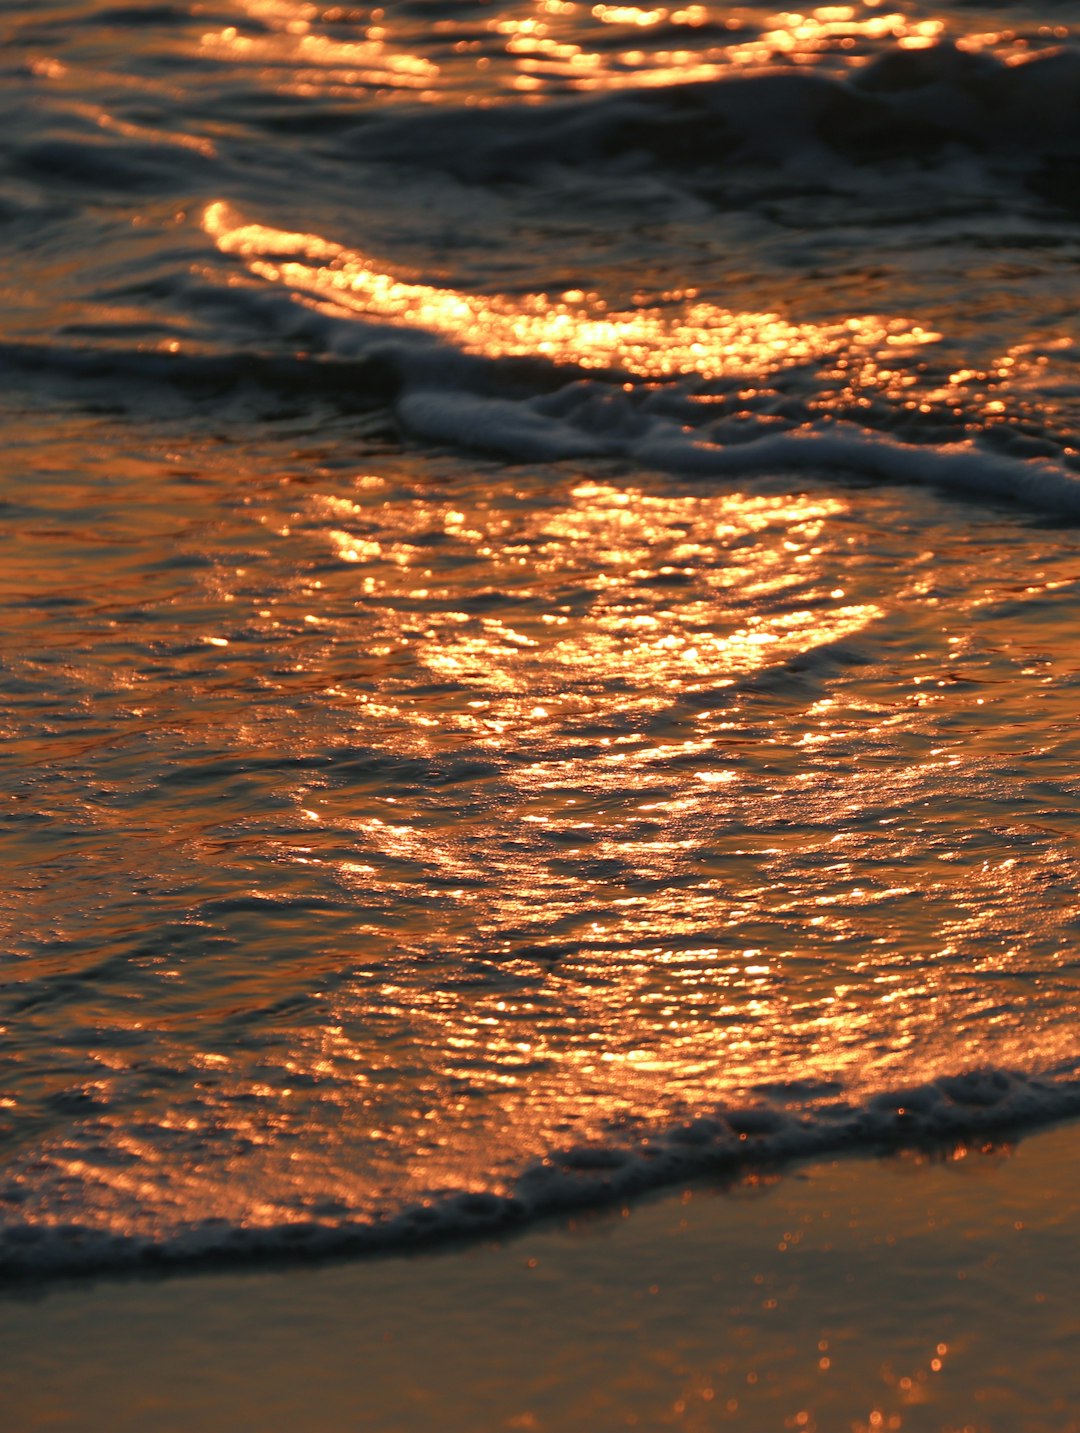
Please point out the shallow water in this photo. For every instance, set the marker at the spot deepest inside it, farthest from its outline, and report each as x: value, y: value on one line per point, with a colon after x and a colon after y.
x: 539, y: 589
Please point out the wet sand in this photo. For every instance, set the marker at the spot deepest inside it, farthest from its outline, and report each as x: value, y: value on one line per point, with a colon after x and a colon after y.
x: 909, y: 1292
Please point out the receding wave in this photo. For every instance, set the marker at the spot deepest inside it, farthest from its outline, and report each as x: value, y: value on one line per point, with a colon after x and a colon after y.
x: 790, y: 1123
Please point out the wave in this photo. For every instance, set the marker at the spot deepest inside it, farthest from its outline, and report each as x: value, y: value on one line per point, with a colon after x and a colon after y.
x: 795, y: 126
x: 529, y: 410
x: 684, y: 386
x: 789, y: 1123
x: 905, y: 104
x: 520, y: 431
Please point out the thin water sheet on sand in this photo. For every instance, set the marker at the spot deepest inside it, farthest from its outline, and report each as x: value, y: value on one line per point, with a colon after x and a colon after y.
x: 411, y: 843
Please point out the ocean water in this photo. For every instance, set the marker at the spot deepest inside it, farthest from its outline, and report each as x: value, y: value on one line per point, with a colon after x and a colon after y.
x: 540, y: 583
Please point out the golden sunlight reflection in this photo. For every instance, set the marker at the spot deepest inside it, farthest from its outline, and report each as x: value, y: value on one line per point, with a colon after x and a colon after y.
x: 546, y: 47
x: 720, y: 627
x: 687, y: 595
x: 656, y: 978
x: 650, y: 895
x: 573, y: 328
x: 517, y: 805
x: 389, y: 814
x: 290, y: 48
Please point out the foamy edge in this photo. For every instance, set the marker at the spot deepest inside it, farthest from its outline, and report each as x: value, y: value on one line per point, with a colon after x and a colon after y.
x: 727, y: 1142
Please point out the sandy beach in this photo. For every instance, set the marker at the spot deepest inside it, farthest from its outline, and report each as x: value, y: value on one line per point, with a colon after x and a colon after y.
x: 930, y: 1294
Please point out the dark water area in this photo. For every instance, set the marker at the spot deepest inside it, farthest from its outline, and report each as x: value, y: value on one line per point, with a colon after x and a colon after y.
x: 539, y: 592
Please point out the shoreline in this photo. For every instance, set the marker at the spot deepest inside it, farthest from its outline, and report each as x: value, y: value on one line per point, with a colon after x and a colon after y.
x: 726, y: 1148
x: 827, y: 1289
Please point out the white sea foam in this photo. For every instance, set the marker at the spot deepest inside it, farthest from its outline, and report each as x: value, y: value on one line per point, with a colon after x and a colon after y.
x: 518, y: 430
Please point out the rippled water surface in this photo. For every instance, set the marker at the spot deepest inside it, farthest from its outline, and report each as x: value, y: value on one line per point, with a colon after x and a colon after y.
x: 539, y: 594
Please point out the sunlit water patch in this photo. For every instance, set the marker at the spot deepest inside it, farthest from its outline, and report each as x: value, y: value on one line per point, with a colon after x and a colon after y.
x: 400, y: 825
x: 538, y: 598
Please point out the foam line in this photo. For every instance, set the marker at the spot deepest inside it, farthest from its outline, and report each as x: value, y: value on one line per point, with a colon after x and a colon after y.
x: 724, y: 1142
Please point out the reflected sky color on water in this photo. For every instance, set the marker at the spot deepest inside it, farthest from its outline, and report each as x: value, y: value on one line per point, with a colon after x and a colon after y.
x: 539, y: 50
x: 393, y: 803
x: 477, y: 815
x: 573, y: 328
